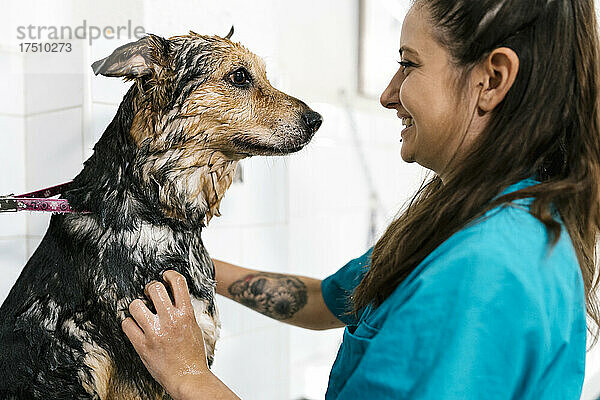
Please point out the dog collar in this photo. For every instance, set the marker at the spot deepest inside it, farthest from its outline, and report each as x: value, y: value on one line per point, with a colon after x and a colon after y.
x: 38, y: 201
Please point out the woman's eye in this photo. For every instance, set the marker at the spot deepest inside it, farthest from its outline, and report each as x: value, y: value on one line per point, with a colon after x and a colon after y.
x: 240, y: 77
x: 406, y: 64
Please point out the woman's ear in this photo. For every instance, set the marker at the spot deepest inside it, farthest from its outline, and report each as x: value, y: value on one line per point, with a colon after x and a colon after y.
x: 498, y: 73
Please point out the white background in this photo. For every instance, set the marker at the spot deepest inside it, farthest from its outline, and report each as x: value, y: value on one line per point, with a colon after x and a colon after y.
x: 307, y: 214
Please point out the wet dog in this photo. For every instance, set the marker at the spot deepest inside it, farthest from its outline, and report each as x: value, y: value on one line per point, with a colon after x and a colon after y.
x: 198, y: 105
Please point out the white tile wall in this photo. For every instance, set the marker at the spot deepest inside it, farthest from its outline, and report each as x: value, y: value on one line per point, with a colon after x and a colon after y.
x: 321, y: 245
x: 11, y: 85
x: 261, y: 199
x: 12, y: 171
x: 394, y: 180
x: 53, y: 147
x: 265, y: 247
x: 323, y: 180
x: 224, y: 243
x: 311, y: 356
x: 53, y: 81
x: 255, y: 365
x: 301, y: 43
x: 12, y: 162
x: 13, y: 225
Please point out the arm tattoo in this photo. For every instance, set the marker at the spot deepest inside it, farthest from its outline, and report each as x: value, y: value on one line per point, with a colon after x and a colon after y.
x: 274, y: 295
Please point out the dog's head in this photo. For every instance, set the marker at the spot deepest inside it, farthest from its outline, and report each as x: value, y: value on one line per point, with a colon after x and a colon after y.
x: 209, y: 87
x: 199, y: 104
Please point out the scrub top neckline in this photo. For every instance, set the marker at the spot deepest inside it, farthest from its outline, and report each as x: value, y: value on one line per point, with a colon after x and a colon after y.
x: 369, y: 310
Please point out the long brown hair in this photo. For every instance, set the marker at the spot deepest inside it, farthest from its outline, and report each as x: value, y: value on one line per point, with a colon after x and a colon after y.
x: 547, y: 125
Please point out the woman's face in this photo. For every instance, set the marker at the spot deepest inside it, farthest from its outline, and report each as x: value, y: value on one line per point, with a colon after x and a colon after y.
x: 425, y: 92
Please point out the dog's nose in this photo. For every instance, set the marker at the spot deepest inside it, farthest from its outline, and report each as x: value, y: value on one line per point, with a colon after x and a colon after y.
x: 312, y: 120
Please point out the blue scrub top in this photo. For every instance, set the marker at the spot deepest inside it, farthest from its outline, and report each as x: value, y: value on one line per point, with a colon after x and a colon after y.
x: 484, y: 316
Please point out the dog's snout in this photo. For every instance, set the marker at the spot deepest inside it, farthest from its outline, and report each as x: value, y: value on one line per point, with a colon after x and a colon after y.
x: 312, y: 119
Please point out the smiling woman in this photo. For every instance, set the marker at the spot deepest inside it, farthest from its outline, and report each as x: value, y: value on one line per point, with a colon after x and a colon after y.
x: 471, y: 78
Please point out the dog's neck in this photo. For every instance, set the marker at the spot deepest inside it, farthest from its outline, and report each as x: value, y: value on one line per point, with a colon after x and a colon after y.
x: 188, y: 184
x: 127, y: 180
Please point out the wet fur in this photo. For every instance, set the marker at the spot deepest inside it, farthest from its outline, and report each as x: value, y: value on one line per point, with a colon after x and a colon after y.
x: 155, y: 179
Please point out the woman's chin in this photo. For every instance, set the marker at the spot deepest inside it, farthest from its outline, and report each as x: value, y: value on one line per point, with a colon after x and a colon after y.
x: 406, y: 154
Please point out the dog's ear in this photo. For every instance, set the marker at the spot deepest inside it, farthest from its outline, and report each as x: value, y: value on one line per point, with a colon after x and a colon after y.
x: 230, y: 33
x: 135, y: 59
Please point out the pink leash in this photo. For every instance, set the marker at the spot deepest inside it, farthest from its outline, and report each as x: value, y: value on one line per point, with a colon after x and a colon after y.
x: 37, y: 201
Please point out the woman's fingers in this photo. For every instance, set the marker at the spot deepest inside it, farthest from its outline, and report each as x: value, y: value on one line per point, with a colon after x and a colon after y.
x: 179, y: 288
x: 142, y: 315
x: 133, y: 332
x: 157, y: 292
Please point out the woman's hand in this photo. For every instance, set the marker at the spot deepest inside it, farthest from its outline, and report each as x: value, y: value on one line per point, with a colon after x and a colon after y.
x: 170, y: 342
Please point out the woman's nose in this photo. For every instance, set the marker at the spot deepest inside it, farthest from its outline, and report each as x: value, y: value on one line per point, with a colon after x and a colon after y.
x: 390, y: 97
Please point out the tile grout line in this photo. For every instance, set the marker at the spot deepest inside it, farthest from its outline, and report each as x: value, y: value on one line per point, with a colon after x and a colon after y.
x: 105, y: 103
x: 4, y: 114
x: 14, y: 237
x: 52, y: 111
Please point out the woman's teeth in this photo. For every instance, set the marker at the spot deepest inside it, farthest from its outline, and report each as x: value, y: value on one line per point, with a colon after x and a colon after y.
x: 407, y: 121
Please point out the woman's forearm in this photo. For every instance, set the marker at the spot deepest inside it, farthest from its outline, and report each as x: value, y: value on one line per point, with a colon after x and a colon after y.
x: 203, y: 387
x: 293, y: 299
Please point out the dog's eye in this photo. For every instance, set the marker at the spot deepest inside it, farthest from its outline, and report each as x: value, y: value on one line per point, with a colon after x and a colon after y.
x: 240, y: 77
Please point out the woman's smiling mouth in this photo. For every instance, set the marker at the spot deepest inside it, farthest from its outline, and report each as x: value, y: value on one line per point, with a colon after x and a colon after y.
x: 408, y: 122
